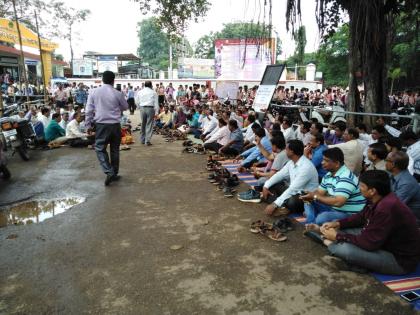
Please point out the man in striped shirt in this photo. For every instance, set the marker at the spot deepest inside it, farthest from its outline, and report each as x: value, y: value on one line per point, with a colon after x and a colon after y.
x: 338, y: 196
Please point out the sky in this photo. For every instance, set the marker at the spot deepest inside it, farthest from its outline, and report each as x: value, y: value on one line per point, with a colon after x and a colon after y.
x: 112, y: 26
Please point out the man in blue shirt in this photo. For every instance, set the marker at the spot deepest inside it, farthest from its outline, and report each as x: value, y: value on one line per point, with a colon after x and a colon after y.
x: 314, y: 152
x: 254, y: 154
x: 130, y: 100
x: 403, y: 184
x: 338, y: 196
x: 81, y: 96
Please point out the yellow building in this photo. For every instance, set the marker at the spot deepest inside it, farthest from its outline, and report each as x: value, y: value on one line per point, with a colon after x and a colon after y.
x: 10, y: 58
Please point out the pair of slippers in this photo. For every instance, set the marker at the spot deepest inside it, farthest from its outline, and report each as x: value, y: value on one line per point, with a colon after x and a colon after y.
x: 268, y: 230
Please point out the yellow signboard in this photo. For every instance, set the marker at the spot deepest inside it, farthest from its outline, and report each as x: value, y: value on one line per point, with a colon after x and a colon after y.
x: 9, y: 34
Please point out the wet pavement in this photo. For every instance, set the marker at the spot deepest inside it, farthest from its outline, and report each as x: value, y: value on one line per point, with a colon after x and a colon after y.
x: 160, y: 241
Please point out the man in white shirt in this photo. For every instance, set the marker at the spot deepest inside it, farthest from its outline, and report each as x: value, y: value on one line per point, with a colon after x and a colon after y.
x: 147, y: 101
x: 352, y: 149
x: 286, y: 128
x: 303, y: 133
x: 209, y: 123
x: 302, y: 175
x: 44, y: 117
x: 64, y: 120
x: 77, y: 138
x: 218, y: 139
x: 411, y: 140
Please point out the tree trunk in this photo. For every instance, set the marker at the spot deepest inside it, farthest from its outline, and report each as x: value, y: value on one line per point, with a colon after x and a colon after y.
x: 374, y: 59
x: 354, y: 62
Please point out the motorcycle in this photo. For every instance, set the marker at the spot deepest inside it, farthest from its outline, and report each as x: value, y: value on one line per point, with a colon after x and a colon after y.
x: 17, y: 134
x: 3, y: 168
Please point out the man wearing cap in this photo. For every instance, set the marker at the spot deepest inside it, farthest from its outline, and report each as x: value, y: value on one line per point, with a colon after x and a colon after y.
x: 104, y: 107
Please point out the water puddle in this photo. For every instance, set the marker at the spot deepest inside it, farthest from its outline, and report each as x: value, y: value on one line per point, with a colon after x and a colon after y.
x: 36, y: 211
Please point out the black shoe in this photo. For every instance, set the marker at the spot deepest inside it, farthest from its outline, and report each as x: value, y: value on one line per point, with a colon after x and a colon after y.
x: 116, y: 178
x: 108, y: 179
x: 148, y: 144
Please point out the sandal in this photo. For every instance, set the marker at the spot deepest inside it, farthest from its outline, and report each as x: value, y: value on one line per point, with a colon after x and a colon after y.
x: 274, y: 234
x: 258, y: 226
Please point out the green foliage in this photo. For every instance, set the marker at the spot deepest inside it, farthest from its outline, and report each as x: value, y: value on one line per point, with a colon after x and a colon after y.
x: 332, y: 58
x: 204, y: 47
x: 173, y: 15
x: 154, y: 45
x: 300, y: 40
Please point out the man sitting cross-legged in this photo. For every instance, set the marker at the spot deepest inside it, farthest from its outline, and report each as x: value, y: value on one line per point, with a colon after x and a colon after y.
x: 254, y: 155
x: 278, y: 159
x: 302, y: 176
x: 383, y: 237
x: 236, y: 140
x: 338, y: 196
x: 219, y: 138
x: 75, y: 136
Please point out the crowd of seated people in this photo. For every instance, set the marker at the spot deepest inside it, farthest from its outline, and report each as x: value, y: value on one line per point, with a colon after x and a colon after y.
x: 358, y: 191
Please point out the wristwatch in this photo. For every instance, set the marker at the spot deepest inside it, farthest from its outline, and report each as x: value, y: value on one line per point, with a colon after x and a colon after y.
x: 315, y: 197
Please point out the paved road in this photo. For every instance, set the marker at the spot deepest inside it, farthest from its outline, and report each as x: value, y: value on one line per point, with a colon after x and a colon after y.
x: 112, y: 254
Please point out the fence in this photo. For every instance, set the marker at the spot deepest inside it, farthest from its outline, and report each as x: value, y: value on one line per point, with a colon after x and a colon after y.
x: 414, y: 118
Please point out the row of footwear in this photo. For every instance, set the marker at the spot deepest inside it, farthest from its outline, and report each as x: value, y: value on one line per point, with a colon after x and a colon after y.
x: 221, y: 177
x: 275, y: 231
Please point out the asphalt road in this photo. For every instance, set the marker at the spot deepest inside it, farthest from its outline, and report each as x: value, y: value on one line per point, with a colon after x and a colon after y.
x: 161, y: 241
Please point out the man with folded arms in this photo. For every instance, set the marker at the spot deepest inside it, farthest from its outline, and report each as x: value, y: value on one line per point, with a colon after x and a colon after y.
x: 383, y: 237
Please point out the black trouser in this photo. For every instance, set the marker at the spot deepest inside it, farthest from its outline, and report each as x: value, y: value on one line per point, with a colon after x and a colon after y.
x: 293, y: 204
x: 108, y: 134
x: 161, y: 99
x: 131, y: 105
x: 80, y: 143
x: 213, y: 146
x: 230, y: 151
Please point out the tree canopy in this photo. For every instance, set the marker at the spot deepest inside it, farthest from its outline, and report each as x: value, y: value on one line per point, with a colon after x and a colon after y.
x: 154, y: 45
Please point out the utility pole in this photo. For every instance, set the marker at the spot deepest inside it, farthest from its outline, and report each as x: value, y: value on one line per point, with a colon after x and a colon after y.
x: 170, y: 61
x: 22, y: 57
x: 42, y: 59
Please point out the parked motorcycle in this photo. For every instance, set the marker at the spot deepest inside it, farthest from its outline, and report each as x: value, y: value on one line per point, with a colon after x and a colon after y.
x: 3, y: 168
x: 17, y: 134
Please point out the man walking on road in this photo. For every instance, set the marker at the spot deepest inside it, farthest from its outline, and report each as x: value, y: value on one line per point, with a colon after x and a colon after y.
x: 147, y: 101
x: 104, y: 107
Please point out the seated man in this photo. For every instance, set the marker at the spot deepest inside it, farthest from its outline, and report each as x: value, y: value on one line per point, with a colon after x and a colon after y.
x: 277, y: 160
x: 236, y: 140
x: 208, y: 123
x: 54, y: 134
x: 337, y: 136
x: 303, y: 132
x: 314, y: 150
x: 403, y: 184
x: 383, y: 237
x: 352, y: 149
x: 219, y: 138
x: 338, y: 196
x: 164, y: 118
x: 377, y: 153
x: 75, y: 136
x: 180, y: 117
x: 300, y: 173
x: 254, y: 155
x: 249, y: 134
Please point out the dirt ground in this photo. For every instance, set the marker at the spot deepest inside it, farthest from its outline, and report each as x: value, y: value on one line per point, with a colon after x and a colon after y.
x: 112, y: 254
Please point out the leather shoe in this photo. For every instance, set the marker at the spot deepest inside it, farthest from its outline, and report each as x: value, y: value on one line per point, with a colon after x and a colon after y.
x: 148, y: 144
x: 108, y: 180
x: 116, y: 178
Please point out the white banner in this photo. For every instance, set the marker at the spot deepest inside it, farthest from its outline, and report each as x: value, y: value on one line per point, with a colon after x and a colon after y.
x: 263, y: 97
x: 227, y: 89
x: 107, y: 65
x: 82, y: 67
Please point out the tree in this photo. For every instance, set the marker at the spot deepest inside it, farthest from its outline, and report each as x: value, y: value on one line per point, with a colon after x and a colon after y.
x: 173, y: 15
x: 395, y: 74
x: 370, y: 29
x: 300, y: 40
x: 204, y: 48
x: 70, y: 17
x: 332, y: 58
x: 154, y: 45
